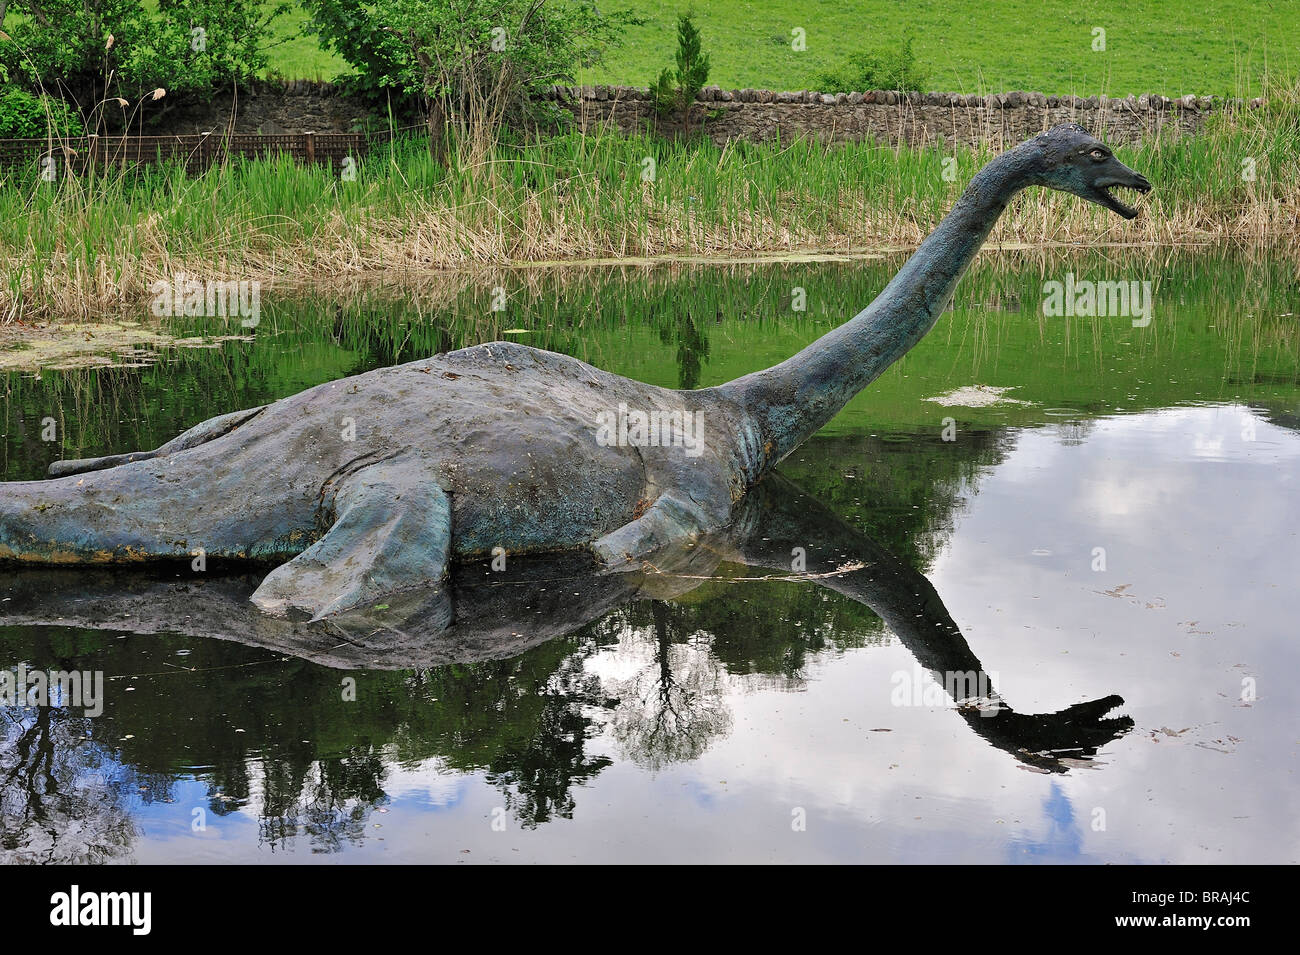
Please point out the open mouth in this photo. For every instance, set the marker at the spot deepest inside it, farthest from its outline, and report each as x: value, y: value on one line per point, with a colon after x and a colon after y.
x: 1106, y: 196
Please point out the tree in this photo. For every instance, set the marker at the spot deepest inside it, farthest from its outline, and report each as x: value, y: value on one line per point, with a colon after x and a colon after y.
x: 473, y: 64
x: 92, y: 52
x: 675, y: 90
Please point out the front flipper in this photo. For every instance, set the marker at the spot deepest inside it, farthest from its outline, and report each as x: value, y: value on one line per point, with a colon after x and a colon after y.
x: 391, y: 534
x: 669, y: 520
x: 202, y: 433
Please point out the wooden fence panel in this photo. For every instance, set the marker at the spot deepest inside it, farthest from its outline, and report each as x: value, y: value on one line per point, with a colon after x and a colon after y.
x: 197, y: 152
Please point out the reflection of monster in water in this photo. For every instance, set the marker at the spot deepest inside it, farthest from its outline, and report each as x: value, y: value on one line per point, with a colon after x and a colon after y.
x: 506, y: 691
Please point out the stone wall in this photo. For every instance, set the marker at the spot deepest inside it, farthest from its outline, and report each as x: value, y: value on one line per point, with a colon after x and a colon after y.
x: 915, y: 118
x: 273, y: 109
x: 755, y: 115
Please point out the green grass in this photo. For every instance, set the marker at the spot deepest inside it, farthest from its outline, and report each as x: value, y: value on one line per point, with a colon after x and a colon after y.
x: 1172, y: 47
x: 297, y: 54
x: 292, y: 51
x: 1166, y: 46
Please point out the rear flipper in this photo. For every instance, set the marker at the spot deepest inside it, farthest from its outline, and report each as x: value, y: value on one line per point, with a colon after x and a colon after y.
x: 209, y: 430
x: 392, y: 533
x: 669, y: 520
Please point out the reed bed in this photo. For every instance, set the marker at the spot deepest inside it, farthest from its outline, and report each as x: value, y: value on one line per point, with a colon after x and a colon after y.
x: 81, y: 247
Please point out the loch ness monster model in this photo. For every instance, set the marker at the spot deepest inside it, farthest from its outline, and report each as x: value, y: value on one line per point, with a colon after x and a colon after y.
x: 371, y: 485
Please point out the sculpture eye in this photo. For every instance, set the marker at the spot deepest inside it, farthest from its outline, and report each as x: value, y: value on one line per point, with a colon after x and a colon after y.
x: 1098, y: 154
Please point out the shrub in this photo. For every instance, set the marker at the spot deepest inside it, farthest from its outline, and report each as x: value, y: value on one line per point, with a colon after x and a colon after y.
x: 473, y: 64
x: 884, y: 68
x: 24, y: 115
x: 94, y: 52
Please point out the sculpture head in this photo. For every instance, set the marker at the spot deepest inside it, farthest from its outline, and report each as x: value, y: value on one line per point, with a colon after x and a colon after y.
x: 1068, y: 158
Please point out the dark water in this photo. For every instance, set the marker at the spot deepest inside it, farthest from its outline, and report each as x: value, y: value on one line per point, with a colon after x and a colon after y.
x: 1129, y: 529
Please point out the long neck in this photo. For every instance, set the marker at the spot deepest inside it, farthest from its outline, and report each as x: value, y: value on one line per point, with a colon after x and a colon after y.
x: 791, y: 401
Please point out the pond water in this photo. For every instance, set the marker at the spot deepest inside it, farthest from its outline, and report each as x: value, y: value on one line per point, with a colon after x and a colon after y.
x: 1122, y: 520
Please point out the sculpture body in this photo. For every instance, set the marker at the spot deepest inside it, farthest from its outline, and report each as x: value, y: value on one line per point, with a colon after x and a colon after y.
x: 371, y: 485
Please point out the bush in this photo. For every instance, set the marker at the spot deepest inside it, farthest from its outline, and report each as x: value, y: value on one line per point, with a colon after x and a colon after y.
x: 24, y: 115
x: 93, y: 51
x: 473, y: 64
x: 885, y: 68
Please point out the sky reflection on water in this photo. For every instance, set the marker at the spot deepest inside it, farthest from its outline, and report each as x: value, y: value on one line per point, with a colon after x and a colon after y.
x: 744, y: 720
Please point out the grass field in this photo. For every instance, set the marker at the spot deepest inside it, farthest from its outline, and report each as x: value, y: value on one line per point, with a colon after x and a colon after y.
x: 968, y: 46
x: 297, y: 54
